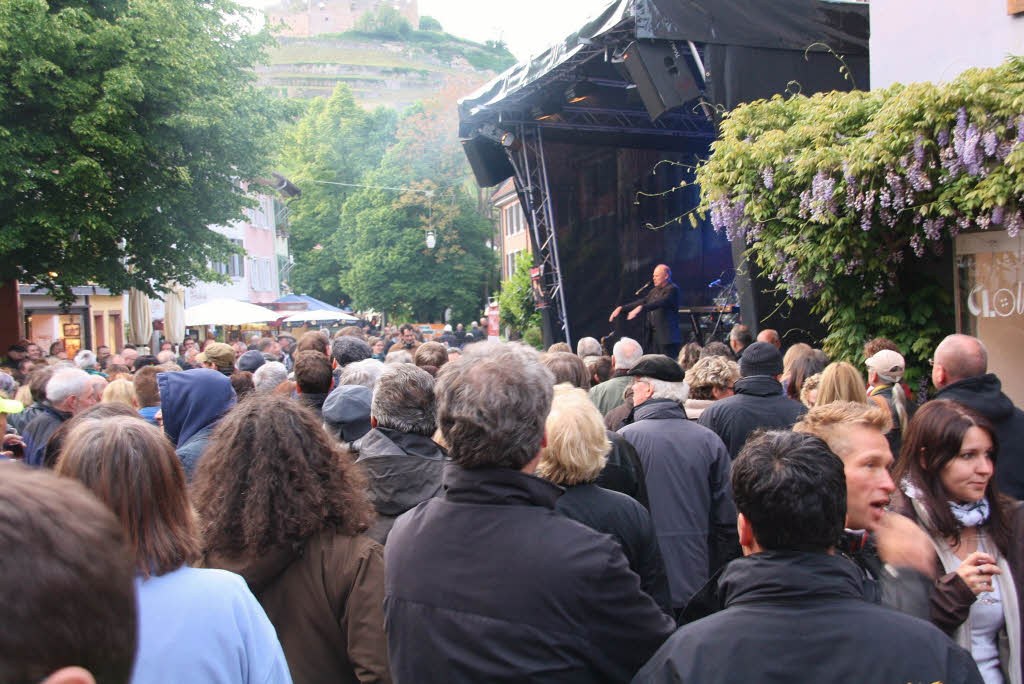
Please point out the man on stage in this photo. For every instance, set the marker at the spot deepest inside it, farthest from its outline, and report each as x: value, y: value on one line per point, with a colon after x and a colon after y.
x: 662, y: 307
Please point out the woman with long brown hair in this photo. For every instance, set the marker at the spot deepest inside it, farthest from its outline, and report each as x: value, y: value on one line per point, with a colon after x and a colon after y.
x: 945, y: 470
x: 194, y: 624
x: 282, y: 504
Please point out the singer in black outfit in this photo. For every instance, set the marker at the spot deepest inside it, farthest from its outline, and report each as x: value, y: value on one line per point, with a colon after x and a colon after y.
x: 662, y: 307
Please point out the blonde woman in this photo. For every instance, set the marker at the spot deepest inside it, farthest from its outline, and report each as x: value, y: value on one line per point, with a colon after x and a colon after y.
x: 573, y: 458
x: 710, y: 379
x: 840, y: 381
x: 120, y: 390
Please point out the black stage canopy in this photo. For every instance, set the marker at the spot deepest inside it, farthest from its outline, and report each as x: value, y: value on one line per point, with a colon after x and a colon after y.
x: 583, y: 126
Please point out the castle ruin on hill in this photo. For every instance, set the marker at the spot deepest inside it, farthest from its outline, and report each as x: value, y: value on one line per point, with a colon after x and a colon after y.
x: 305, y: 18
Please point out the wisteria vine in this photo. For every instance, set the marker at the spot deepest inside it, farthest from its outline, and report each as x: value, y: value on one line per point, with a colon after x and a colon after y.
x: 835, y: 194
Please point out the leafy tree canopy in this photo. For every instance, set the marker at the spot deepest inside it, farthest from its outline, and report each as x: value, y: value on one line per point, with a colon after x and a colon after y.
x: 126, y: 130
x: 386, y: 22
x: 430, y: 24
x: 391, y: 268
x: 336, y: 141
x: 515, y: 302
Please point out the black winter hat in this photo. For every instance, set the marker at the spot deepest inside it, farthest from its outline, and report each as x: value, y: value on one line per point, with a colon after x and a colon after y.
x: 659, y: 367
x: 761, y: 358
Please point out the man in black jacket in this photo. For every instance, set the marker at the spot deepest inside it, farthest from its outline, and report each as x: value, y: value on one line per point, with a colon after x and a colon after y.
x: 487, y: 583
x: 758, y: 401
x: 794, y: 610
x: 960, y: 372
x: 662, y: 307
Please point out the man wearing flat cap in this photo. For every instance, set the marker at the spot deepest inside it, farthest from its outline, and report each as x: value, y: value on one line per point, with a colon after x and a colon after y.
x: 758, y: 400
x: 219, y: 357
x: 686, y: 467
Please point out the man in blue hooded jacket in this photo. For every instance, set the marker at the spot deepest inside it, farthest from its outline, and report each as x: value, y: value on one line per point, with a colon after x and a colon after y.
x: 191, y: 404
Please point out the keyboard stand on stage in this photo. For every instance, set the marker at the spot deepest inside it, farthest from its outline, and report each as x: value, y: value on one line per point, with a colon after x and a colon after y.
x: 697, y: 312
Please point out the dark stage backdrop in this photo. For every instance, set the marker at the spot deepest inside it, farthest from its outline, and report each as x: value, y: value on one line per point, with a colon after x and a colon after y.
x: 607, y: 246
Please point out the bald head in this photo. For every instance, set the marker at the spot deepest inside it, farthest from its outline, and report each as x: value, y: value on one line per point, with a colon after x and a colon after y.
x: 662, y: 274
x: 958, y: 357
x: 771, y: 337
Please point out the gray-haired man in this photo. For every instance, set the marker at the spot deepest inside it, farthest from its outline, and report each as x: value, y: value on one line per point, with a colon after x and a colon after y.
x: 403, y: 463
x: 486, y: 582
x: 608, y: 394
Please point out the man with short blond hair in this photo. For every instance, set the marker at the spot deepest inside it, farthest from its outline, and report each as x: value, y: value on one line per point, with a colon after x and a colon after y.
x: 856, y: 433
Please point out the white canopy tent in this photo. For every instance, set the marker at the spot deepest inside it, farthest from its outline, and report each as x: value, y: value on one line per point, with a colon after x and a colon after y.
x: 320, y: 315
x: 227, y: 312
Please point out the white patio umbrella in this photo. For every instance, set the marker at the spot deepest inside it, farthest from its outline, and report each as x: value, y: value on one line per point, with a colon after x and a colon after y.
x: 138, y: 312
x: 227, y: 312
x: 174, y: 316
x: 320, y: 315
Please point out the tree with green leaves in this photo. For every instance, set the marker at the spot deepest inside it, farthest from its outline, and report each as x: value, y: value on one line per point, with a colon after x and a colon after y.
x: 846, y: 199
x: 515, y: 303
x: 336, y: 141
x: 126, y: 129
x: 391, y: 268
x: 386, y: 22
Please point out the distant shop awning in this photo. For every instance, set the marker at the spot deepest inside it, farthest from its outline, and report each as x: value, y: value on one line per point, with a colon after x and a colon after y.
x: 318, y: 315
x: 310, y: 302
x: 227, y: 312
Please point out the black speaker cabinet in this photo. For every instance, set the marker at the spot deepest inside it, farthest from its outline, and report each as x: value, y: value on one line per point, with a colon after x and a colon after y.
x: 662, y: 73
x: 488, y: 160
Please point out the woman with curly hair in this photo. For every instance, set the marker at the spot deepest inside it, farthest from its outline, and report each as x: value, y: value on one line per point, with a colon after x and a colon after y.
x: 195, y: 625
x: 710, y: 379
x: 282, y: 504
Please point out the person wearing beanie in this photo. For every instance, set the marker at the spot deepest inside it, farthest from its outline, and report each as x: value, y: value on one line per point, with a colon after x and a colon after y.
x: 758, y: 402
x: 686, y: 470
x: 250, y: 361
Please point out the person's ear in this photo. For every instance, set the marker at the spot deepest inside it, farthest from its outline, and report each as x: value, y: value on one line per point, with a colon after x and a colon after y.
x: 373, y: 421
x: 544, y: 439
x: 745, y: 531
x: 70, y: 675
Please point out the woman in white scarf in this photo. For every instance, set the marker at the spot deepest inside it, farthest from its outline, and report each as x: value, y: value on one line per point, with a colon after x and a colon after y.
x: 945, y: 471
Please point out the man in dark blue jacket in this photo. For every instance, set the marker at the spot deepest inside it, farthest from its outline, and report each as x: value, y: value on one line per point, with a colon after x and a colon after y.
x: 191, y: 404
x: 758, y: 402
x: 794, y: 609
x: 487, y: 583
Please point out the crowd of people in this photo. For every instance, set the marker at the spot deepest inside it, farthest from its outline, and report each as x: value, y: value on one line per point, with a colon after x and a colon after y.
x: 376, y: 509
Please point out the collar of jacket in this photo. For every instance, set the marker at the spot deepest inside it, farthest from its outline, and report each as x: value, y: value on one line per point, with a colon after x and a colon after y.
x: 658, y: 409
x: 758, y: 385
x: 382, y: 441
x: 55, y: 412
x: 500, y: 486
x: 789, y: 576
x: 983, y: 393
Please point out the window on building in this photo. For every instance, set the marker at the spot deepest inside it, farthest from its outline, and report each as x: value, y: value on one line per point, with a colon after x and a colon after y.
x: 261, y: 274
x: 232, y: 267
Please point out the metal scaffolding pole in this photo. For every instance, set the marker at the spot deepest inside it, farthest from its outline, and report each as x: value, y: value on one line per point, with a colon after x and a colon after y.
x: 527, y: 158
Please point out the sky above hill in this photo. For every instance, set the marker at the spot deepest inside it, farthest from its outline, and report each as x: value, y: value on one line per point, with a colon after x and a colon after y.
x: 526, y: 26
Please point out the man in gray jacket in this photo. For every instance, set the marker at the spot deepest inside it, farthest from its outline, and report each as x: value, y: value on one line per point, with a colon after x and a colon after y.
x: 687, y: 472
x: 404, y: 465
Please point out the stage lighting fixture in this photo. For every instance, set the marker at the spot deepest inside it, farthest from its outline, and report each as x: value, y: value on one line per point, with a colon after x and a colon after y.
x: 579, y: 92
x: 507, y: 139
x: 544, y: 112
